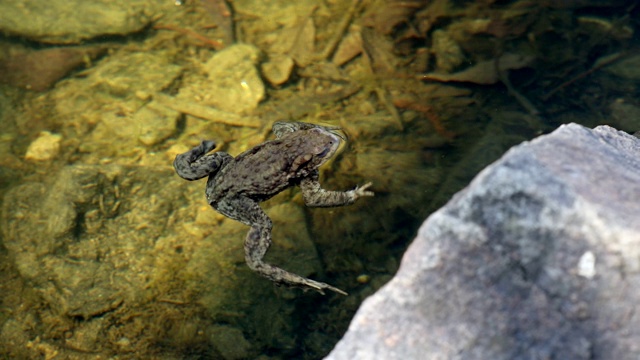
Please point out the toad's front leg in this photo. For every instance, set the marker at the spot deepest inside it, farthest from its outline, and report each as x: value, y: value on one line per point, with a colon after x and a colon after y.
x: 258, y: 241
x: 314, y: 195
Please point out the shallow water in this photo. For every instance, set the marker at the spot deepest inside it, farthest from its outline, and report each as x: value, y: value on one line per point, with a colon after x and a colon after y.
x: 106, y: 252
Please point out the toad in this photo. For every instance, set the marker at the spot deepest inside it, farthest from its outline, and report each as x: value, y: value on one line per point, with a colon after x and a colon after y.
x: 236, y: 186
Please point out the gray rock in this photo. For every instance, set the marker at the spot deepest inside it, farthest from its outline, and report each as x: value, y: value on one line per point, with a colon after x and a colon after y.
x: 536, y: 259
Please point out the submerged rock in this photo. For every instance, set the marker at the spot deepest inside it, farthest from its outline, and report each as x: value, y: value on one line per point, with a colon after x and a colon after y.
x: 233, y: 83
x: 537, y: 258
x: 71, y: 21
x: 278, y: 69
x: 627, y: 68
x: 102, y: 245
x: 40, y: 69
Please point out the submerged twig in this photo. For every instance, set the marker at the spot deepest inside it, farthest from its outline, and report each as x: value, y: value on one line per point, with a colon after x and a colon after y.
x: 339, y: 32
x: 504, y: 78
x: 383, y: 97
x: 220, y: 12
x: 207, y: 112
x: 209, y: 42
x: 172, y: 301
x: 607, y: 60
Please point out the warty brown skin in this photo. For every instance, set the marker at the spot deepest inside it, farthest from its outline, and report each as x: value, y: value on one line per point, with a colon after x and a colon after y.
x: 236, y: 186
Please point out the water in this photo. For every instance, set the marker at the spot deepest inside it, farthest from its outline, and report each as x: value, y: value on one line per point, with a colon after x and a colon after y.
x: 107, y: 253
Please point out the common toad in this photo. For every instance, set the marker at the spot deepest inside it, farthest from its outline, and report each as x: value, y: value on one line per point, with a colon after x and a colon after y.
x: 237, y: 185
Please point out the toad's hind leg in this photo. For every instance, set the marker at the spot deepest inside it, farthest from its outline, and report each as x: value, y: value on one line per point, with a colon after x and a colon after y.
x: 256, y: 245
x: 195, y: 164
x: 258, y: 241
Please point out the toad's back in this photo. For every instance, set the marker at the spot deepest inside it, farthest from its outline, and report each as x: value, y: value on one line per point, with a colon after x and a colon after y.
x: 266, y: 169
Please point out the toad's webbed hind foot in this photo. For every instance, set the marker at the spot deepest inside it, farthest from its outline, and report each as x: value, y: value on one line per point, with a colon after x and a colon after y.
x: 320, y: 286
x: 283, y: 277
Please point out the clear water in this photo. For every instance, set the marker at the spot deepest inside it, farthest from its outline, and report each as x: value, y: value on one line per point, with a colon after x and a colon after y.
x: 106, y: 253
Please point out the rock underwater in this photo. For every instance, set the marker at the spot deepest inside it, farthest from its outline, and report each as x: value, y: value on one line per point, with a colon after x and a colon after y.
x: 538, y: 258
x: 72, y: 21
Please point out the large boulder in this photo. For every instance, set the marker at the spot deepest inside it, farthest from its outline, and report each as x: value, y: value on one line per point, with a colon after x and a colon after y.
x: 538, y: 258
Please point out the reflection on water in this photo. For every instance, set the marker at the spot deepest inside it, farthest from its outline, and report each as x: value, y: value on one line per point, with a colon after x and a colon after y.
x: 106, y: 252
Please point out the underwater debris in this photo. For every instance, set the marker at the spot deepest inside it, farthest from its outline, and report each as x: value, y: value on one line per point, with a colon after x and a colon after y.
x: 485, y: 72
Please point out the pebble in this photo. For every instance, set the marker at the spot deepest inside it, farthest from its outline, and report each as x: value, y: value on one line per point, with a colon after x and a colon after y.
x: 46, y: 147
x: 278, y: 69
